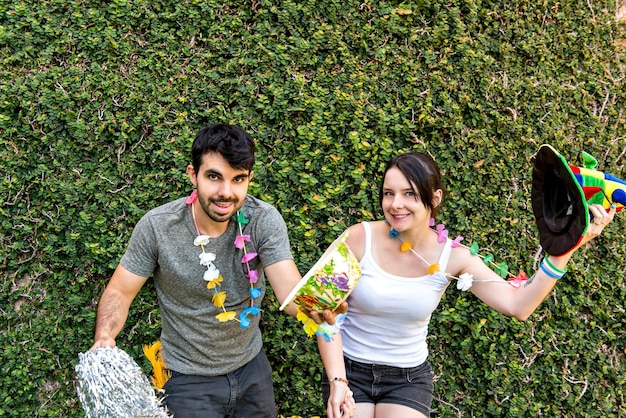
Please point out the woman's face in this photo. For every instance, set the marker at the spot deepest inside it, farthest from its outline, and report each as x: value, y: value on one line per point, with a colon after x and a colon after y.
x: 402, y: 207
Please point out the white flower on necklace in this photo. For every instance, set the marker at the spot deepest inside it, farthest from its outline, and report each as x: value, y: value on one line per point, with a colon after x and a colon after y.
x: 211, y: 273
x: 464, y: 282
x: 201, y: 240
x: 206, y: 259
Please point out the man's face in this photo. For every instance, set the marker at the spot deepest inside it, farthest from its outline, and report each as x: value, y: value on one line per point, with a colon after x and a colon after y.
x: 221, y: 188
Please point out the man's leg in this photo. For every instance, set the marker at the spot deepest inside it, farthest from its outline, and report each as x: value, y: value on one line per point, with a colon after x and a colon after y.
x: 255, y: 394
x: 197, y: 396
x: 245, y: 393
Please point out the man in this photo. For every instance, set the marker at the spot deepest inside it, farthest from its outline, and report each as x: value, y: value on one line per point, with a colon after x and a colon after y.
x: 209, y: 254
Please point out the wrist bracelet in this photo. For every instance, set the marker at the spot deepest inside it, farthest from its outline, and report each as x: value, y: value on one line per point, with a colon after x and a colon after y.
x: 554, y: 268
x: 549, y: 269
x: 341, y: 379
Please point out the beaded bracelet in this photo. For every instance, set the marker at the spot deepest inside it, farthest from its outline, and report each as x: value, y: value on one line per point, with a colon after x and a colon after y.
x: 340, y: 379
x: 551, y: 270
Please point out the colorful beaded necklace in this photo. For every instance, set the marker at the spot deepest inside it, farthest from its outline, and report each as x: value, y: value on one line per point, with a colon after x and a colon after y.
x: 214, y: 278
x: 465, y: 280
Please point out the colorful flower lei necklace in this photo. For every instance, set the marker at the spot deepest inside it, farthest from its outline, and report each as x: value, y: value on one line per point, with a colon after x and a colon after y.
x: 466, y: 279
x: 214, y: 278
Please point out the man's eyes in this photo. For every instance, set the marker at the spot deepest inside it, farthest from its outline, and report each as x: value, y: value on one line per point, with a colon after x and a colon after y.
x: 215, y: 177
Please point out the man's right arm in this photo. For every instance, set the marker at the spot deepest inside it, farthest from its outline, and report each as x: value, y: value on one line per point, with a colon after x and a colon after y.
x: 114, y: 305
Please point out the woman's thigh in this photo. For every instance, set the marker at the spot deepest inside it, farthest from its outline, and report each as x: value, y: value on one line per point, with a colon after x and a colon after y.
x: 387, y: 410
x: 365, y: 410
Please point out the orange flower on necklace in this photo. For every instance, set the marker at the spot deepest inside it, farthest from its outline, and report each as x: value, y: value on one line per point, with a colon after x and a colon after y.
x: 433, y: 268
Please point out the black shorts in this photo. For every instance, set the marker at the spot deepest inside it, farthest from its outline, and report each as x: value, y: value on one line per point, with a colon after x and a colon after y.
x: 373, y: 383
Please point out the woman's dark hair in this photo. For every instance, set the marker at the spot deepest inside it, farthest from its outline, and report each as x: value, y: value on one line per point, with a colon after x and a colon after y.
x: 423, y: 174
x: 231, y: 142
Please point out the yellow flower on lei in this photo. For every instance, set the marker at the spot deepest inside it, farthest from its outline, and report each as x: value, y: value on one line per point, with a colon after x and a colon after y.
x: 218, y: 299
x: 310, y: 326
x: 215, y: 282
x: 226, y: 316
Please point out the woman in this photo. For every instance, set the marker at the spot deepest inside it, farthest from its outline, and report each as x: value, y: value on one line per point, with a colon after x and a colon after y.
x: 403, y: 264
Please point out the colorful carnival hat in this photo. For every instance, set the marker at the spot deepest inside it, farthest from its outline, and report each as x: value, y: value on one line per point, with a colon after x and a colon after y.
x: 561, y: 195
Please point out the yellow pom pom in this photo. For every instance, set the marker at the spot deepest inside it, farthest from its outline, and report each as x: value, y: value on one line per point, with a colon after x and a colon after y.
x: 406, y: 246
x: 160, y: 372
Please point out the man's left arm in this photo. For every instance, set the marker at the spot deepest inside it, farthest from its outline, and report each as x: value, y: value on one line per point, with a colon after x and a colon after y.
x: 283, y: 276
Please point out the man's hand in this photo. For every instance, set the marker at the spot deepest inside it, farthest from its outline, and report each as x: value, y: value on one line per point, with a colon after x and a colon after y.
x: 103, y: 343
x: 326, y: 315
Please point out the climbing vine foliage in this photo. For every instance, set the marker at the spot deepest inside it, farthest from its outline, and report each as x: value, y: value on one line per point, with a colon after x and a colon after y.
x: 99, y: 103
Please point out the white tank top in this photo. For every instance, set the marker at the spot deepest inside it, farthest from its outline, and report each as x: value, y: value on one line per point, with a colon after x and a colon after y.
x: 388, y: 315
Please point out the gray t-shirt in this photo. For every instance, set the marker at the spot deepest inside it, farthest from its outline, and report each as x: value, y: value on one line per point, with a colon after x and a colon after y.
x: 194, y: 341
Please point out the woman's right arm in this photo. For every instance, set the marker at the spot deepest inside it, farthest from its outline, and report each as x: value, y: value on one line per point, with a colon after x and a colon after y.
x: 332, y: 357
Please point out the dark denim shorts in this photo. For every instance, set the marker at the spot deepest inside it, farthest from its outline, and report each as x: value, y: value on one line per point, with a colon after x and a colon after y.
x: 246, y: 392
x: 373, y: 383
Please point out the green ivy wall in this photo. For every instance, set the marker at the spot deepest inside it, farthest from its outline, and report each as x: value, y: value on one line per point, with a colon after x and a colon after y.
x: 99, y: 103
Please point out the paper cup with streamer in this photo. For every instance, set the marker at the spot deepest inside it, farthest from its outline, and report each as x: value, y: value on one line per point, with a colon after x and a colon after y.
x: 111, y: 384
x: 330, y: 281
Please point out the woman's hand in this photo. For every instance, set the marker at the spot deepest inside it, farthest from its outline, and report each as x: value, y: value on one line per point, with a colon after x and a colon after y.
x: 341, y: 403
x: 349, y: 405
x: 601, y: 218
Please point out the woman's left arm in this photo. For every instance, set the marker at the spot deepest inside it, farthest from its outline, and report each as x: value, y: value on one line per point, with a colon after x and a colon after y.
x: 522, y: 301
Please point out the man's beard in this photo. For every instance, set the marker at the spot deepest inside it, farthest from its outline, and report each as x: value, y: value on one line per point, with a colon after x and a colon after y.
x: 216, y: 217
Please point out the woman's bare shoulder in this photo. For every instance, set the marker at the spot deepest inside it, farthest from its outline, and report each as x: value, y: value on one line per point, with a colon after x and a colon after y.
x: 356, y: 236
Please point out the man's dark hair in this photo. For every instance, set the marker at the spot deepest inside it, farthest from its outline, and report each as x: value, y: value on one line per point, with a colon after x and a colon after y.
x: 231, y: 142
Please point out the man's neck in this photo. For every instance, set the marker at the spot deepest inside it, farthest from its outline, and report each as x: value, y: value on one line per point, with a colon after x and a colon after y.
x: 206, y: 225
